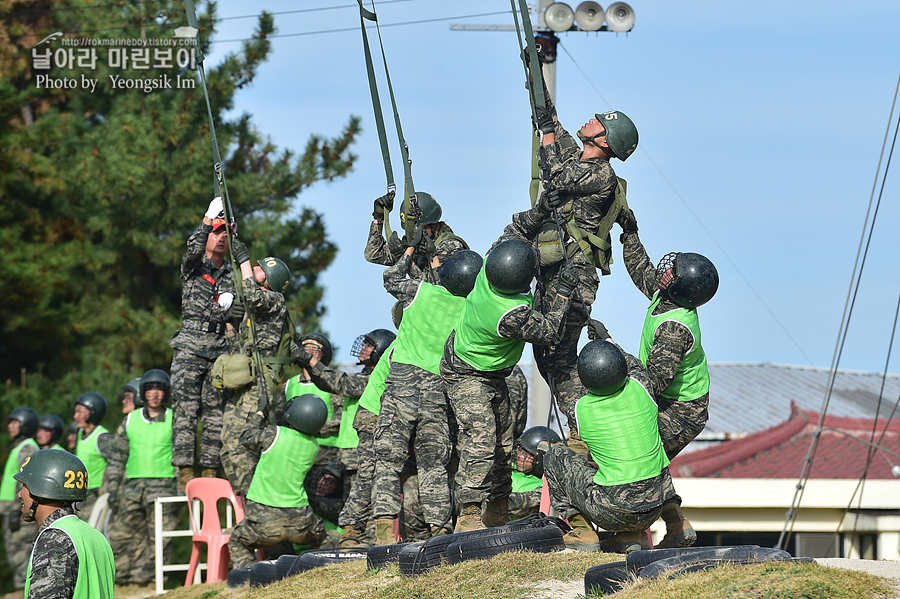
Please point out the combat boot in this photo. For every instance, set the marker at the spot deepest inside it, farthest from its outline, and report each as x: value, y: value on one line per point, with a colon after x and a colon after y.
x: 384, y: 531
x: 208, y: 473
x: 582, y: 537
x: 440, y: 530
x: 624, y: 542
x: 185, y: 475
x: 577, y: 445
x: 679, y: 532
x: 351, y: 536
x: 469, y: 518
x: 614, y: 543
x: 496, y: 513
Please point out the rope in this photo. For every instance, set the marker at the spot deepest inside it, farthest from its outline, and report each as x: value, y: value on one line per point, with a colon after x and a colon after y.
x: 853, y: 291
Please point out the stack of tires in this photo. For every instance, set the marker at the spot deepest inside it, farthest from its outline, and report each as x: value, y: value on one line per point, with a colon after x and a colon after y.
x: 266, y: 572
x: 653, y: 563
x: 541, y: 535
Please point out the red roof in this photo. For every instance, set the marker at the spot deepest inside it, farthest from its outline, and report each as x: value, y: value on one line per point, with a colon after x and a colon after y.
x: 779, y: 451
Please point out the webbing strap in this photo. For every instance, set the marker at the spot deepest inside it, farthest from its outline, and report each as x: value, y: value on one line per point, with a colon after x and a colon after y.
x: 221, y: 188
x: 409, y: 188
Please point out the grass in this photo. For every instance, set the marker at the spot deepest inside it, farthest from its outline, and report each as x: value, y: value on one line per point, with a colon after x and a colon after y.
x: 555, y: 576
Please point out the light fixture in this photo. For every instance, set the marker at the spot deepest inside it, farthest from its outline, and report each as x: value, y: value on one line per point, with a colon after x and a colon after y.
x: 559, y: 16
x: 619, y: 17
x: 589, y: 16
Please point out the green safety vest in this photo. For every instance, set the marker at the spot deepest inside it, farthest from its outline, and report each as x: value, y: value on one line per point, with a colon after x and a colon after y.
x: 278, y: 479
x: 622, y: 433
x: 523, y: 483
x: 149, y: 446
x: 96, y: 565
x: 8, y: 484
x: 297, y: 387
x: 477, y: 340
x: 371, y: 397
x: 427, y: 322
x: 88, y: 452
x: 692, y: 379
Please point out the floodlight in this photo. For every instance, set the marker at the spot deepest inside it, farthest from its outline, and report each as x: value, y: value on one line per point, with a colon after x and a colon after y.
x: 559, y: 16
x: 589, y: 16
x: 619, y: 17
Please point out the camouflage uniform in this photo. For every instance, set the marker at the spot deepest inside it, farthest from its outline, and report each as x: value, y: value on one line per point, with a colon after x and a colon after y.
x: 413, y: 524
x: 524, y: 504
x: 197, y: 344
x: 679, y: 421
x: 625, y: 507
x: 517, y: 385
x: 480, y: 401
x: 270, y: 313
x: 377, y: 252
x: 132, y: 534
x: 263, y: 525
x: 414, y: 411
x: 18, y: 543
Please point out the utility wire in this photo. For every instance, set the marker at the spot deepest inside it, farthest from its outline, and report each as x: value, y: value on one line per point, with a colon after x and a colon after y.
x: 305, y: 10
x: 699, y: 221
x: 862, y: 253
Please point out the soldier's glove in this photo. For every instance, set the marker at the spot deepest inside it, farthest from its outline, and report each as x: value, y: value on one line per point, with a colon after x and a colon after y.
x: 550, y: 200
x: 241, y: 254
x: 14, y: 520
x: 215, y: 208
x: 597, y: 330
x: 415, y: 238
x: 544, y: 121
x: 627, y: 221
x: 263, y: 405
x: 301, y: 357
x: 568, y: 280
x: 395, y: 245
x: 385, y: 201
x: 235, y: 314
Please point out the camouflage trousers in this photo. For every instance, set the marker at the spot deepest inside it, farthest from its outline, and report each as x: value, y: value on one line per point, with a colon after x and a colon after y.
x: 680, y: 422
x: 264, y: 526
x: 558, y: 364
x: 524, y: 504
x: 131, y: 528
x: 193, y: 398
x: 357, y: 510
x: 18, y: 544
x: 480, y: 401
x: 239, y: 462
x: 629, y: 507
x: 86, y: 507
x: 414, y: 410
x: 412, y: 518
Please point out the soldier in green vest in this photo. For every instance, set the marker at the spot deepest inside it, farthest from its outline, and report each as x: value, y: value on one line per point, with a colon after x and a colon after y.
x: 528, y: 471
x: 94, y: 447
x: 129, y: 398
x: 432, y: 239
x: 22, y: 424
x: 50, y: 430
x: 71, y: 559
x: 671, y: 351
x: 625, y: 487
x: 496, y: 322
x: 146, y: 452
x: 415, y: 405
x: 264, y: 283
x: 277, y: 507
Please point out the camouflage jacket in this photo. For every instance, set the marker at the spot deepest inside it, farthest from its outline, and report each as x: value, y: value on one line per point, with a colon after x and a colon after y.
x: 672, y: 339
x: 530, y: 325
x: 54, y: 560
x: 270, y: 311
x: 517, y: 385
x: 398, y: 284
x: 255, y: 436
x: 377, y: 252
x: 201, y: 284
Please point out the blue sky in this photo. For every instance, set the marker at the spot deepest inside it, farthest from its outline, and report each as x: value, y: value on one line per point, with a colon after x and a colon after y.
x: 760, y: 132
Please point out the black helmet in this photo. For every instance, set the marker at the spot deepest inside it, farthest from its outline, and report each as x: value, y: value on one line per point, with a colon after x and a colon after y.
x: 133, y: 386
x: 379, y: 338
x: 696, y: 278
x: 94, y: 402
x: 307, y: 414
x: 155, y: 379
x: 459, y: 271
x: 529, y: 442
x: 323, y: 342
x: 54, y: 424
x: 72, y: 429
x: 27, y: 418
x: 54, y: 474
x: 602, y: 367
x: 423, y: 210
x: 510, y: 266
x: 278, y: 275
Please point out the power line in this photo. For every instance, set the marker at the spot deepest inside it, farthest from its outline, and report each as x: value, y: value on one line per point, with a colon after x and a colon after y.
x: 305, y: 10
x: 697, y: 218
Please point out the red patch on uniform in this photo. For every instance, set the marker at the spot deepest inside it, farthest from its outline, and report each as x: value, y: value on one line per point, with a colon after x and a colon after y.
x: 210, y: 279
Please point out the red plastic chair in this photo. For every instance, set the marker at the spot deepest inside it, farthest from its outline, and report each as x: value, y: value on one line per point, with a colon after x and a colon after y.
x: 209, y: 491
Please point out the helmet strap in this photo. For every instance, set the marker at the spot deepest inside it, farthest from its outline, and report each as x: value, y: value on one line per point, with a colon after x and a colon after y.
x: 29, y: 516
x: 592, y: 140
